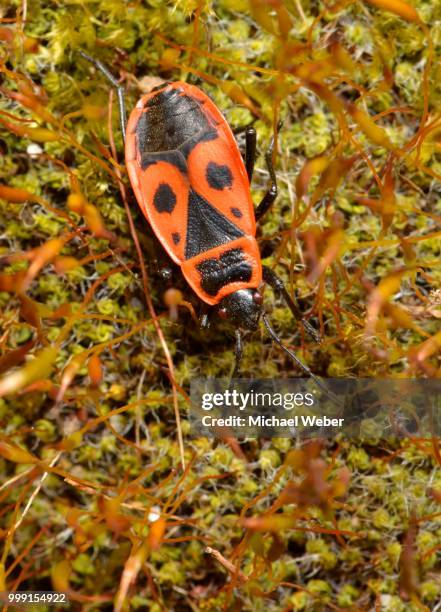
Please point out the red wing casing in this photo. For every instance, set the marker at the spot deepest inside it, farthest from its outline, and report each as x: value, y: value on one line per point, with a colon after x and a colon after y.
x: 191, y: 183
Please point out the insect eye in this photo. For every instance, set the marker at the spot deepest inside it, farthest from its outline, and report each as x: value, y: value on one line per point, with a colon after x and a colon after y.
x: 257, y: 298
x: 222, y: 312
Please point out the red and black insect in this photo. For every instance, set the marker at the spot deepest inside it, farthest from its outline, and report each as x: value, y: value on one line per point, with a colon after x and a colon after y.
x: 193, y: 186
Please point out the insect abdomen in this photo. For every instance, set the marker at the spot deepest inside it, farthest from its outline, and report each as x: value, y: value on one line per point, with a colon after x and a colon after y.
x: 230, y: 267
x: 225, y: 269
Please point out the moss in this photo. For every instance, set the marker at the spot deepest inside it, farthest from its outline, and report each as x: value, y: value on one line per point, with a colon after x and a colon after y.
x: 134, y: 453
x: 320, y: 588
x: 269, y: 459
x: 347, y: 596
x: 427, y: 543
x: 45, y: 430
x: 299, y: 601
x: 430, y: 591
x: 327, y: 558
x: 358, y: 458
x: 83, y: 565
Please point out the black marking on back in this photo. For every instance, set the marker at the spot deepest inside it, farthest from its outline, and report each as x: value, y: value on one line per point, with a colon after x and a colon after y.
x: 164, y: 199
x: 172, y: 157
x: 206, y: 227
x: 176, y: 236
x: 236, y: 212
x: 158, y: 87
x: 229, y: 268
x: 218, y: 176
x: 171, y: 118
x: 187, y: 147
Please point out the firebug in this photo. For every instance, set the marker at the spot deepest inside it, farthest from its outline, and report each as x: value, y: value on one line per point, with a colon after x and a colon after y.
x: 193, y: 186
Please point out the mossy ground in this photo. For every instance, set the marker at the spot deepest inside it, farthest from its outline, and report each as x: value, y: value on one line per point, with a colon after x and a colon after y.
x: 354, y: 233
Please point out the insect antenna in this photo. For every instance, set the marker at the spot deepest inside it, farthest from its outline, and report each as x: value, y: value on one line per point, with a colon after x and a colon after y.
x: 275, y: 338
x: 119, y: 89
x: 270, y: 277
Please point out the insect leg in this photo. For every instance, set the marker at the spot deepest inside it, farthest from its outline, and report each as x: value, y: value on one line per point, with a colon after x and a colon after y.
x: 205, y: 320
x: 166, y: 273
x: 275, y: 338
x: 119, y: 89
x: 271, y: 193
x: 250, y: 151
x: 238, y: 353
x: 276, y: 283
x: 204, y: 316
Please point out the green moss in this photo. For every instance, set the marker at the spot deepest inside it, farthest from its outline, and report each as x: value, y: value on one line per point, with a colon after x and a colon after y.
x: 135, y: 454
x: 299, y: 600
x: 347, y: 596
x: 269, y: 459
x: 45, y: 430
x: 358, y: 458
x: 83, y: 564
x: 430, y: 591
x: 320, y: 588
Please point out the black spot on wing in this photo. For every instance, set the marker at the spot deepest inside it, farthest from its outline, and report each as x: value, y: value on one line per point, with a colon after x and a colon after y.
x: 164, y: 199
x: 176, y: 236
x: 170, y: 119
x: 218, y: 176
x: 206, y: 227
x: 236, y: 212
x: 229, y: 268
